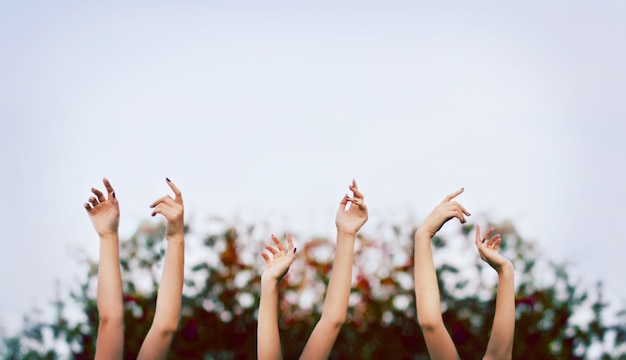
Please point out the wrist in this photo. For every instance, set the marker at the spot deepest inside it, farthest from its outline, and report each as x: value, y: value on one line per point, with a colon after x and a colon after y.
x: 345, y: 234
x: 423, y: 234
x: 269, y: 283
x: 505, y: 270
x: 177, y: 238
x: 110, y: 236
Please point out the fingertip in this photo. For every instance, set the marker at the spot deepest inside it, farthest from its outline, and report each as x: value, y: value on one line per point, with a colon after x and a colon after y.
x: 168, y: 179
x: 294, y: 250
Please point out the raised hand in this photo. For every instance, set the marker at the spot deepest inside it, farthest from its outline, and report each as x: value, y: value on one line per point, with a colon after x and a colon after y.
x: 104, y: 212
x: 446, y: 210
x: 350, y: 220
x: 277, y: 264
x: 488, y: 249
x: 500, y: 345
x: 172, y: 209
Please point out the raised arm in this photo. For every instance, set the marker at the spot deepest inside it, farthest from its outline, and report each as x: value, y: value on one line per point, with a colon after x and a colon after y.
x: 104, y: 213
x: 427, y: 301
x: 500, y: 344
x: 277, y: 264
x: 169, y: 296
x: 351, y: 216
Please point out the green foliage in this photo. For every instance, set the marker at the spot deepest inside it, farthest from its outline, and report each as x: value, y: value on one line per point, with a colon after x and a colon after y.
x: 222, y: 287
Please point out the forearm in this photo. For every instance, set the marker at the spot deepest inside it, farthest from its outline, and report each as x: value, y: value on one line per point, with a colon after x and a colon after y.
x: 501, y: 341
x: 169, y: 296
x: 109, y: 298
x: 427, y: 299
x: 335, y: 308
x: 338, y: 292
x: 268, y: 337
x: 110, y: 340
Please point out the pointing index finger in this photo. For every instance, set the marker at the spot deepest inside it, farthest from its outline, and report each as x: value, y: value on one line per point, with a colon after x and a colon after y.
x: 179, y: 195
x: 453, y: 195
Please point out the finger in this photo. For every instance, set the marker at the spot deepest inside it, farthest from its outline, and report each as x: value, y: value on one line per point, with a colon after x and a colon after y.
x: 87, y: 207
x: 453, y: 195
x: 107, y: 185
x: 290, y: 243
x: 164, y: 210
x: 457, y: 214
x: 462, y: 208
x: 158, y: 210
x: 266, y: 257
x: 93, y: 201
x: 360, y: 204
x: 493, y: 241
x: 281, y: 247
x: 98, y: 194
x: 271, y: 249
x: 460, y: 216
x: 344, y: 202
x: 165, y: 199
x: 496, y: 244
x: 355, y: 190
x: 478, y: 241
x: 179, y: 195
x: 488, y: 233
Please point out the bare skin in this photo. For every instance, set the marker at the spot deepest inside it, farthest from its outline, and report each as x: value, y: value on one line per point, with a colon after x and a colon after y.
x: 438, y: 340
x: 104, y: 214
x: 351, y: 216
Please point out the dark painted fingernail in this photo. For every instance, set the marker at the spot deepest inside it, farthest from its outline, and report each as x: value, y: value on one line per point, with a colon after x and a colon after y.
x: 168, y: 180
x: 113, y: 194
x: 294, y: 250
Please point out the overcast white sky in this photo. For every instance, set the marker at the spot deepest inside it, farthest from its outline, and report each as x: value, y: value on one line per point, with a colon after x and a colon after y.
x: 269, y: 109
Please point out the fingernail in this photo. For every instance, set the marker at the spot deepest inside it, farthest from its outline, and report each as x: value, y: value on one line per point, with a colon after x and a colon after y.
x: 113, y: 193
x: 168, y: 180
x: 294, y: 250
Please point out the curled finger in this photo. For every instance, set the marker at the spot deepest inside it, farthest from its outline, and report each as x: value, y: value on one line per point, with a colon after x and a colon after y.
x: 98, y: 194
x: 462, y: 208
x: 164, y: 199
x: 272, y: 250
x: 94, y: 202
x: 355, y: 190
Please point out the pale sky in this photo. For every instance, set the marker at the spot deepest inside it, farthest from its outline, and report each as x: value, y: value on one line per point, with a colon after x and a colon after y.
x: 268, y: 110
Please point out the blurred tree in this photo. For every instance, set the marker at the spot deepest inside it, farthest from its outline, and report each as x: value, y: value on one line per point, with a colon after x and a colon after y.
x: 556, y: 317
